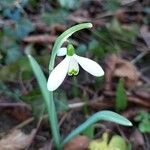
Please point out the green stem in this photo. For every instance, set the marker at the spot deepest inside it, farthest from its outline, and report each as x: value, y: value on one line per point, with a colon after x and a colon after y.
x: 52, y: 116
x: 51, y: 106
x: 62, y: 38
x: 75, y: 89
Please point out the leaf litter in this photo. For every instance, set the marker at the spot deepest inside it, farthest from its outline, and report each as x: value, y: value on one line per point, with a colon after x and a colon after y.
x: 16, y: 140
x: 41, y: 32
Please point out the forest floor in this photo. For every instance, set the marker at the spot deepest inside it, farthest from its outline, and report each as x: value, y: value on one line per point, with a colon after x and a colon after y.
x: 119, y: 41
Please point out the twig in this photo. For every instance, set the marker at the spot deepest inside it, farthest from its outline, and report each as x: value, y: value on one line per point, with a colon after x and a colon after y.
x: 139, y: 101
x: 76, y: 105
x: 24, y: 123
x: 63, y: 118
x: 14, y: 105
x: 99, y: 102
x: 132, y: 99
x: 140, y: 56
x: 127, y: 2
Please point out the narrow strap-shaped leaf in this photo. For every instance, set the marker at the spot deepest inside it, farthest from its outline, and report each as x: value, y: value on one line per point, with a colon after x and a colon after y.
x: 40, y: 78
x: 48, y: 97
x: 121, y: 97
x: 63, y: 37
x: 102, y: 115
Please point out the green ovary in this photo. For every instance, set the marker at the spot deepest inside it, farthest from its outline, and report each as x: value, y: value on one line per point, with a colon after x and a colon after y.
x: 70, y: 50
x: 72, y: 72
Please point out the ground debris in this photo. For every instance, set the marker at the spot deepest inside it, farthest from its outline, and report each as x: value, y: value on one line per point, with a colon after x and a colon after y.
x: 78, y: 143
x: 118, y: 67
x: 15, y: 140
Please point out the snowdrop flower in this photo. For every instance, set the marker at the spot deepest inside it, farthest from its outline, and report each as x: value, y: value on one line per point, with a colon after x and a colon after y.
x: 70, y: 65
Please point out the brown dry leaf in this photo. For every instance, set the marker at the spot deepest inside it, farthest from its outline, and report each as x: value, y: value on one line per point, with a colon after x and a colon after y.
x: 118, y: 67
x: 110, y: 66
x: 40, y: 39
x: 55, y: 28
x: 16, y: 140
x: 126, y: 70
x: 78, y: 143
x: 121, y: 16
x: 19, y: 113
x: 79, y: 16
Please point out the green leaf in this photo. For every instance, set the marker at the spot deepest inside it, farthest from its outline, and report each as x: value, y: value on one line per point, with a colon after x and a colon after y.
x: 113, y: 38
x: 121, y: 97
x: 69, y: 4
x: 143, y: 118
x: 144, y: 126
x: 89, y: 132
x: 102, y: 115
x: 117, y: 30
x: 117, y: 142
x: 48, y: 97
x: 40, y: 78
x: 100, y: 144
x: 105, y: 43
x: 97, y: 49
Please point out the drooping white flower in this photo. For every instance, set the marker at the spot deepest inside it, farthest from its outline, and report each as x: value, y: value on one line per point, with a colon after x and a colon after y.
x: 70, y: 65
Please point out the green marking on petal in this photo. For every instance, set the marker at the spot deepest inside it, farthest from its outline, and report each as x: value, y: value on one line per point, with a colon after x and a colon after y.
x: 70, y: 50
x: 73, y: 72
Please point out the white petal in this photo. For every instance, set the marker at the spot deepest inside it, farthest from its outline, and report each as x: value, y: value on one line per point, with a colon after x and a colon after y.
x: 73, y: 67
x: 58, y: 75
x: 90, y: 66
x: 62, y: 51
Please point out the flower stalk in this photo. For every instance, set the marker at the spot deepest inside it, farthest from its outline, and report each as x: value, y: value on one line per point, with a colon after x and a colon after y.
x: 51, y: 106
